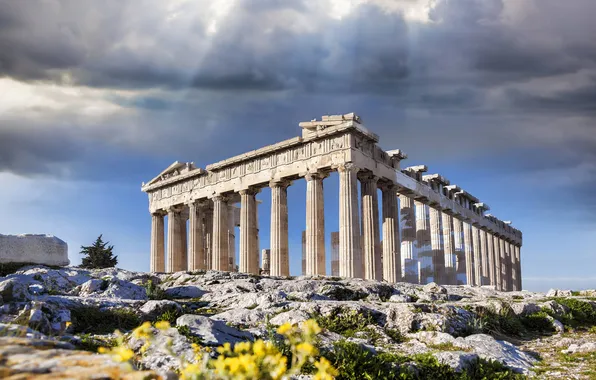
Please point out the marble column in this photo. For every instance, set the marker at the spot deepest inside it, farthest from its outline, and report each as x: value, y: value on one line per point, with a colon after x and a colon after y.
x: 513, y: 264
x: 280, y: 260
x: 231, y: 238
x: 409, y: 257
x: 436, y: 244
x: 157, y: 242
x: 517, y: 250
x: 266, y: 262
x: 504, y: 274
x: 469, y: 254
x: 335, y: 254
x: 498, y: 269
x: 449, y: 253
x: 423, y: 244
x: 196, y: 255
x: 176, y: 240
x: 315, y: 224
x: 477, y: 256
x: 490, y: 246
x: 350, y: 253
x: 208, y: 239
x: 303, y: 253
x: 484, y: 257
x: 370, y: 227
x: 249, y: 251
x: 391, y: 245
x: 219, y: 260
x: 460, y: 251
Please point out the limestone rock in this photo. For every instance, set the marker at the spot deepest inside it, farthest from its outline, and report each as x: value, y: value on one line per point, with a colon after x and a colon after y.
x: 488, y: 348
x: 212, y: 332
x: 166, y: 351
x: 458, y: 360
x: 576, y: 348
x: 155, y: 308
x: 15, y: 289
x: 125, y: 290
x: 292, y: 316
x: 188, y: 291
x: 38, y: 249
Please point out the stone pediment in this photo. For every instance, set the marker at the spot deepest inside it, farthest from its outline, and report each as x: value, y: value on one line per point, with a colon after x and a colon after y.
x: 176, y: 169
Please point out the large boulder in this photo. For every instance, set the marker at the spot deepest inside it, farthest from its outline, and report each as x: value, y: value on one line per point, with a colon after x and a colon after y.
x: 15, y: 289
x: 490, y: 349
x: 37, y: 249
x: 212, y: 332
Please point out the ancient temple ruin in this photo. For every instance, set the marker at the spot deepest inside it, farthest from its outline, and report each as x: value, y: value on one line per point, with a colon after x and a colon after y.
x: 431, y: 230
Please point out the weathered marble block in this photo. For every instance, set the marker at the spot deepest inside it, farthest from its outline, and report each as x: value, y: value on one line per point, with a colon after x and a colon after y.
x: 29, y: 248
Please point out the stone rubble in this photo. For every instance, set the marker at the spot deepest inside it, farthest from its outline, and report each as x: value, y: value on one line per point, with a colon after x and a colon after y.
x: 38, y: 304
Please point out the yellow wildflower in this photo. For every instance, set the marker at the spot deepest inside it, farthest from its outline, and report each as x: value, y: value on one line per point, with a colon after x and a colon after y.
x: 242, y: 347
x: 162, y: 325
x: 226, y: 348
x: 310, y: 327
x: 284, y: 329
x: 306, y: 349
x: 119, y: 353
x: 143, y: 331
x: 325, y: 370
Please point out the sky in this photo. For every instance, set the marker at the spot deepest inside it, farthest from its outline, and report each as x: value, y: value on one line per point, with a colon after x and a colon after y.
x: 498, y: 96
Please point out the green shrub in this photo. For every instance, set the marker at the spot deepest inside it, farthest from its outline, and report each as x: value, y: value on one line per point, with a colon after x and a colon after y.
x: 88, y: 319
x: 345, y: 321
x: 92, y: 344
x: 395, y: 335
x: 154, y: 292
x: 581, y: 313
x: 168, y: 316
x: 538, y: 322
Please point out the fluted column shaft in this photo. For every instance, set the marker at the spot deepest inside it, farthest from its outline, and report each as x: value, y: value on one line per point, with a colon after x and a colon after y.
x: 157, y: 242
x: 423, y: 244
x: 409, y: 255
x: 477, y: 256
x: 176, y: 241
x: 498, y: 269
x: 449, y: 255
x: 504, y: 274
x: 484, y: 257
x: 196, y: 257
x: 208, y: 237
x: 460, y: 252
x: 438, y: 252
x: 220, y: 255
x: 490, y: 246
x: 350, y: 252
x: 231, y: 238
x: 517, y: 250
x: 513, y: 266
x: 469, y: 254
x: 315, y: 225
x: 370, y: 228
x: 391, y: 246
x: 280, y: 261
x: 249, y: 251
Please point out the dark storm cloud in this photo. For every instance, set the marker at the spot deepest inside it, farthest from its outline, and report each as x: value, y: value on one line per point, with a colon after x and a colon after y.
x: 273, y: 63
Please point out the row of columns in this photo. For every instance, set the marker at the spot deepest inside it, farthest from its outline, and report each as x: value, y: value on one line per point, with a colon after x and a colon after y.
x: 434, y: 246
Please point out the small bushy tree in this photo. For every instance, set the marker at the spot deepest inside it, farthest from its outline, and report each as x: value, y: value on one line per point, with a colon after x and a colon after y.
x: 98, y: 255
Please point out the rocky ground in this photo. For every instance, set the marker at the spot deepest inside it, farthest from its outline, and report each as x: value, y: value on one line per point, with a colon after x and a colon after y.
x: 53, y: 320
